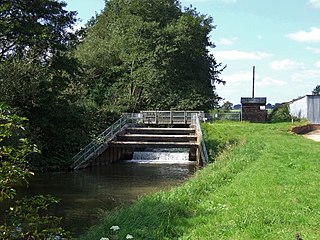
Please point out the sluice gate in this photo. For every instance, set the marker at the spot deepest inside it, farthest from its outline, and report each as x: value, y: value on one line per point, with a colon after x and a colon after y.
x: 143, y: 131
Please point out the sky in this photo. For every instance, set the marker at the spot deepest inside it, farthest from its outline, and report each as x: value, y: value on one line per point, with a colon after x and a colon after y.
x: 281, y: 38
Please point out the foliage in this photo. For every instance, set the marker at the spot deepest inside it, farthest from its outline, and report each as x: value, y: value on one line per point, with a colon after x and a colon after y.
x: 28, y: 219
x: 149, y: 55
x: 15, y: 150
x: 38, y: 76
x: 263, y: 187
x: 37, y: 27
x: 280, y: 114
x: 136, y: 55
x: 227, y: 105
x: 316, y: 90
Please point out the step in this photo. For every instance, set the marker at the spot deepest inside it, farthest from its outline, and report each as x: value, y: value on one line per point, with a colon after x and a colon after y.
x: 156, y: 138
x: 170, y: 131
x: 135, y: 144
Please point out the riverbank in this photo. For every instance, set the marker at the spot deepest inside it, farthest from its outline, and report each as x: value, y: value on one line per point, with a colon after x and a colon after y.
x: 264, y: 185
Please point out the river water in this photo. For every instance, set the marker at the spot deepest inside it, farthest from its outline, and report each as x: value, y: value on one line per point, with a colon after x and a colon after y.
x: 87, y: 194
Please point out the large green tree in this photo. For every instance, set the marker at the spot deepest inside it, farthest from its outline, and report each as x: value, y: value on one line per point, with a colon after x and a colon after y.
x: 34, y: 39
x: 34, y: 26
x: 38, y: 73
x: 149, y: 54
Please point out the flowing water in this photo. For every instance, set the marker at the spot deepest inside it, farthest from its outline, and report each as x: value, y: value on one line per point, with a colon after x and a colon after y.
x: 87, y: 194
x: 162, y: 156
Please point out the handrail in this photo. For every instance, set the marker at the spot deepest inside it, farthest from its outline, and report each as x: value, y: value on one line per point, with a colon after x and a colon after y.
x: 99, y: 143
x: 168, y: 117
x: 202, y: 145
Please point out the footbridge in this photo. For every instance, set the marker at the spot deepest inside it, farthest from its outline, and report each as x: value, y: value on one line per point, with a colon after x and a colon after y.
x: 144, y: 130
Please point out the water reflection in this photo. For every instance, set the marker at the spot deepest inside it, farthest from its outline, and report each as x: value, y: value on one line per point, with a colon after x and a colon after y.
x: 87, y: 193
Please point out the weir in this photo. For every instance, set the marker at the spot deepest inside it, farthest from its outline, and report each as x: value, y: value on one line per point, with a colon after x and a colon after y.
x: 137, y: 132
x: 161, y: 156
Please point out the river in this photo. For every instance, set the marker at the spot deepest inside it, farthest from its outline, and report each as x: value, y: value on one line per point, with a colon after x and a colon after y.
x: 87, y: 194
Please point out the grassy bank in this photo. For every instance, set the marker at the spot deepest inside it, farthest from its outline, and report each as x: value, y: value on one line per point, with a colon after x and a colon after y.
x: 264, y: 185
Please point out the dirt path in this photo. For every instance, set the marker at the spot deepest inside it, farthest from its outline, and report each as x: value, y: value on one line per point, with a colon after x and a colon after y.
x: 314, y: 135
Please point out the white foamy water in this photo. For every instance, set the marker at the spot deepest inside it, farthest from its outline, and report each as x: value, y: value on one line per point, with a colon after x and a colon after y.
x: 161, y: 157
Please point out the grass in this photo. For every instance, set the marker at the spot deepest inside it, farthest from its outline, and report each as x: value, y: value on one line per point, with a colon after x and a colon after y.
x: 264, y: 184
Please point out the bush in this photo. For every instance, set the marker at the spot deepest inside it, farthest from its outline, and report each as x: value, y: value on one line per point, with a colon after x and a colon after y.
x: 29, y: 219
x: 280, y: 114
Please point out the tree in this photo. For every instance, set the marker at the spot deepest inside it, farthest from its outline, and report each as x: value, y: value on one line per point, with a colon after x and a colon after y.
x: 34, y: 40
x: 36, y: 27
x: 38, y: 74
x: 316, y: 90
x: 227, y: 105
x: 149, y: 55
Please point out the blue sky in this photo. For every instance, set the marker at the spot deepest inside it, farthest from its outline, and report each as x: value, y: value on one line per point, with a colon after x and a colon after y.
x: 280, y: 37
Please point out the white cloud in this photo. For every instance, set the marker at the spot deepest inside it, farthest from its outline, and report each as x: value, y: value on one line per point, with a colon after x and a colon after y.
x: 308, y: 75
x: 313, y: 50
x: 228, y: 91
x: 317, y: 64
x: 240, y: 55
x: 315, y: 3
x: 303, y: 36
x: 226, y: 41
x: 285, y: 64
x: 237, y: 78
x: 268, y: 81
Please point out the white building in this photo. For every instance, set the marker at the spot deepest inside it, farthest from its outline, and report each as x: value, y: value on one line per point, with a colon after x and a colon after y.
x: 307, y: 107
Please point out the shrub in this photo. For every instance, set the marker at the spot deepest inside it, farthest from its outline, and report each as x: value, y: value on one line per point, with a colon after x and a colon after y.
x: 280, y: 114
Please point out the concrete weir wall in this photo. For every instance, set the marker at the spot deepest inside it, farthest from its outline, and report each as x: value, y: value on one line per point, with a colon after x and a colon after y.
x: 113, y: 154
x: 146, y: 138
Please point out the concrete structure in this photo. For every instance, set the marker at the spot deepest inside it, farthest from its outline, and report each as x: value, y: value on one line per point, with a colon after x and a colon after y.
x: 140, y: 131
x: 254, y: 109
x: 307, y: 107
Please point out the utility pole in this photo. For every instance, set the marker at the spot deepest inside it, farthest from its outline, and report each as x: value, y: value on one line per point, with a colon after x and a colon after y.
x: 254, y: 72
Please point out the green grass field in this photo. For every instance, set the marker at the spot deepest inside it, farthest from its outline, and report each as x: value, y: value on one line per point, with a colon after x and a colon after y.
x: 264, y: 184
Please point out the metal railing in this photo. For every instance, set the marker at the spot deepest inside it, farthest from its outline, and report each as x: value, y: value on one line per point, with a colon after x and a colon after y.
x: 229, y: 116
x: 168, y: 117
x: 100, y: 143
x: 196, y: 118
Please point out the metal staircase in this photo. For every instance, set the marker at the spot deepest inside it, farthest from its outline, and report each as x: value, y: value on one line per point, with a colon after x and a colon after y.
x: 100, y: 143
